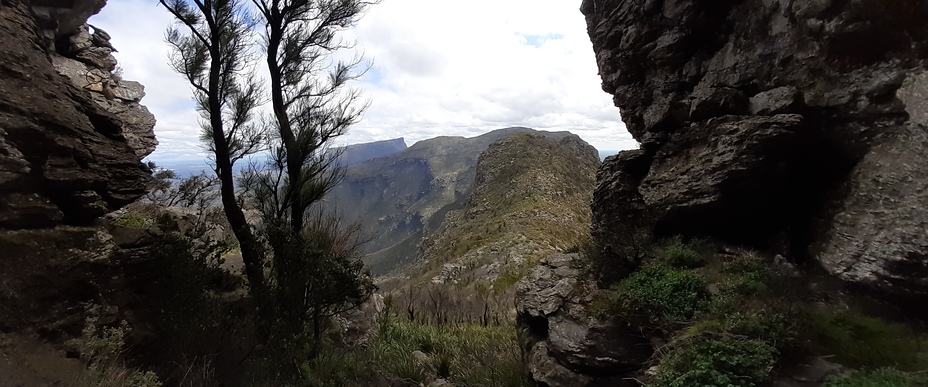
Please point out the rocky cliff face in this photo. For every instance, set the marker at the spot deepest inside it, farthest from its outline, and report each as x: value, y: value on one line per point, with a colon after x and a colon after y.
x: 792, y: 126
x: 72, y: 134
x: 65, y: 149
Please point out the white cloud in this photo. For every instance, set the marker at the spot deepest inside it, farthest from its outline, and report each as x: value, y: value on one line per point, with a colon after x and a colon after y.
x: 441, y: 67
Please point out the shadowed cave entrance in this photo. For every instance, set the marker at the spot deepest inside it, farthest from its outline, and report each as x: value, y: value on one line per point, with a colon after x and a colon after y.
x: 775, y: 206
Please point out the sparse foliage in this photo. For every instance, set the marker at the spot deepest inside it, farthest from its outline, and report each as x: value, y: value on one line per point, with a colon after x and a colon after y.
x: 168, y: 190
x: 211, y: 43
x: 101, y: 351
x: 316, y: 274
x: 314, y: 271
x: 311, y: 101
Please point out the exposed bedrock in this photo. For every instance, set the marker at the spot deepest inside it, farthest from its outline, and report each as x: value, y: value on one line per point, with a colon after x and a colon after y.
x: 65, y: 153
x: 566, y: 345
x: 792, y: 126
x: 72, y: 136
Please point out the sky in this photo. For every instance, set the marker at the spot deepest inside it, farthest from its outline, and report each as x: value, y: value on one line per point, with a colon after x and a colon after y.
x: 439, y: 68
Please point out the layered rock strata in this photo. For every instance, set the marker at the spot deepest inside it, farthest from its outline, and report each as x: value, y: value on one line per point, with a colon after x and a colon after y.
x: 64, y: 154
x: 566, y: 345
x: 792, y: 126
x: 72, y: 135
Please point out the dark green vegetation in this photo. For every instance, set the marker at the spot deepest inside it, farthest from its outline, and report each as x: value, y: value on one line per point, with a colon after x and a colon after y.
x: 407, y: 353
x: 732, y: 318
x: 301, y: 268
x: 880, y: 377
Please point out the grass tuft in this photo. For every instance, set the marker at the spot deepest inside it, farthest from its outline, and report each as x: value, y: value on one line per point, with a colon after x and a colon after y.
x: 466, y: 354
x: 880, y: 377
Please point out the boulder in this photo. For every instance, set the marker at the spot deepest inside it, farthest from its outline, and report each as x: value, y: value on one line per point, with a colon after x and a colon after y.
x: 876, y: 235
x: 547, y: 287
x: 567, y: 346
x: 66, y: 158
x: 595, y: 346
x: 545, y: 369
x: 112, y: 94
x: 64, y: 162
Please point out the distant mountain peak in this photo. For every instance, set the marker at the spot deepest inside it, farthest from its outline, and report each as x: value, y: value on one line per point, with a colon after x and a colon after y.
x: 359, y: 153
x: 403, y: 197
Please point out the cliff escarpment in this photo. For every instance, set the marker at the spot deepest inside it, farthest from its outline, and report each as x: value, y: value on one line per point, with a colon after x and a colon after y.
x: 796, y: 127
x: 404, y: 196
x: 530, y: 197
x: 72, y: 134
x: 66, y: 157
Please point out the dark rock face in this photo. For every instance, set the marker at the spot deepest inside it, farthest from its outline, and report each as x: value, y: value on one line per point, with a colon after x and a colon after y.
x: 67, y: 157
x: 63, y: 158
x: 765, y: 122
x: 570, y: 347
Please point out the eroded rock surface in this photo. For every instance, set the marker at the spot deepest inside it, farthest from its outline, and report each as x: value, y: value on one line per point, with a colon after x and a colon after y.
x: 791, y: 126
x: 63, y: 158
x: 67, y: 157
x: 569, y: 347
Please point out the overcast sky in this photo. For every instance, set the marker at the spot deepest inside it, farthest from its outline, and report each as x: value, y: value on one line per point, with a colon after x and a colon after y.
x: 440, y: 67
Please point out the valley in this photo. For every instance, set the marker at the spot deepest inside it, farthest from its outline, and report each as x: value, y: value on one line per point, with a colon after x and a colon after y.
x: 766, y: 228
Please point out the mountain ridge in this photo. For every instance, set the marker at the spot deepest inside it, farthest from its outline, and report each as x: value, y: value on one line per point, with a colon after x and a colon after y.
x: 531, y: 197
x: 409, y: 192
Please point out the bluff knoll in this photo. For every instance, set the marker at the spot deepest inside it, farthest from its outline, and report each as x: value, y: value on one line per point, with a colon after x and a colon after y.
x: 793, y: 126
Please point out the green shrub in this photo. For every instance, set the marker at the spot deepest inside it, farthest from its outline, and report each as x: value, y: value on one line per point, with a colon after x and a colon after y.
x: 716, y: 360
x: 133, y: 220
x: 101, y: 351
x: 683, y: 256
x: 860, y: 341
x: 747, y: 275
x: 776, y: 329
x: 336, y: 367
x: 881, y: 377
x: 508, y: 278
x: 662, y: 293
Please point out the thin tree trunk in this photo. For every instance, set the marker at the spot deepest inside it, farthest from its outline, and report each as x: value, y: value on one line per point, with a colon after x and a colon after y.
x: 251, y: 250
x: 294, y: 163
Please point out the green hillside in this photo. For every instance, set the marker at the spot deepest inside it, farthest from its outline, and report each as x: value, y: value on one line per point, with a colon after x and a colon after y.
x: 401, y: 198
x: 531, y: 197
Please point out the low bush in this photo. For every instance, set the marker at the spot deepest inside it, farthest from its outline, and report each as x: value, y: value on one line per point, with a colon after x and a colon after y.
x: 859, y: 341
x: 101, y: 350
x: 747, y: 275
x: 338, y: 367
x: 880, y: 377
x: 133, y: 220
x: 775, y: 329
x: 684, y: 255
x: 661, y: 293
x: 716, y: 360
